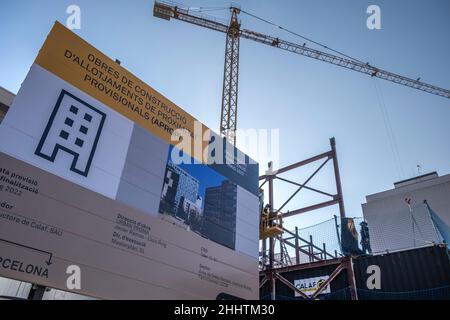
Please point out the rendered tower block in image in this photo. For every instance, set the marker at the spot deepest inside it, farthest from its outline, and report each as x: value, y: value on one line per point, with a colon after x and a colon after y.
x: 178, y: 185
x: 169, y: 191
x: 190, y: 212
x: 220, y: 214
x: 187, y: 186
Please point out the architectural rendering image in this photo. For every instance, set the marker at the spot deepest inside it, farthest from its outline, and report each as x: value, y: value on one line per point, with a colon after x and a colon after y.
x: 202, y: 199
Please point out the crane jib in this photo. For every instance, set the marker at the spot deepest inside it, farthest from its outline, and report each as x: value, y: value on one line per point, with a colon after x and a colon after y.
x: 167, y: 11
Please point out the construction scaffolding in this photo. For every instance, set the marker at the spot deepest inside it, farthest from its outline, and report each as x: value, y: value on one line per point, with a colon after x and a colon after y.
x: 272, y: 265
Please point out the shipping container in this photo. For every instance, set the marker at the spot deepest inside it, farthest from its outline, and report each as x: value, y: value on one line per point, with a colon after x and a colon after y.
x: 422, y: 273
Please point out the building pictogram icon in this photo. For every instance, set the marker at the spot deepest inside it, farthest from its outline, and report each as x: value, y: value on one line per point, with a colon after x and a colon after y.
x: 74, y: 127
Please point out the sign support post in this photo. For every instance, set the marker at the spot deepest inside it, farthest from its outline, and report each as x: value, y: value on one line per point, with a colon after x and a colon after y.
x: 36, y: 292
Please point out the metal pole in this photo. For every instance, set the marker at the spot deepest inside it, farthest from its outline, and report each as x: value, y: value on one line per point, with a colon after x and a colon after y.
x: 351, y: 279
x: 273, y: 286
x: 264, y: 253
x: 36, y: 292
x: 349, y: 263
x: 264, y: 241
x: 297, y: 253
x: 281, y: 243
x: 271, y: 239
x: 438, y: 237
x: 337, y: 232
x: 338, y: 178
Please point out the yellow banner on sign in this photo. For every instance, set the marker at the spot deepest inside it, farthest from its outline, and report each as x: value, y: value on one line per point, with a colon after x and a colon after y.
x: 74, y: 60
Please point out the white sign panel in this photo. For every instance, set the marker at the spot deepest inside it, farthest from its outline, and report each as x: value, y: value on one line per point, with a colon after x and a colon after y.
x: 310, y: 285
x: 88, y: 179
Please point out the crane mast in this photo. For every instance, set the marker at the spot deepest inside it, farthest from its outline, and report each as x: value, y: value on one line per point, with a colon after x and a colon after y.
x: 233, y: 31
x: 228, y: 117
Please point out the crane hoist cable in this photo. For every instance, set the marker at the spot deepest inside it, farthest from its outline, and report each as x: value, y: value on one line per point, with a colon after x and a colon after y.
x: 300, y: 36
x: 389, y: 130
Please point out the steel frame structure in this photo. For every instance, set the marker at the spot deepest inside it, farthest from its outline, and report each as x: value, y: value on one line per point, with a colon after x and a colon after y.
x: 269, y: 271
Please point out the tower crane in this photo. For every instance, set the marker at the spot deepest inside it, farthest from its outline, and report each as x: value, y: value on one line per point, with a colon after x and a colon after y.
x: 233, y: 32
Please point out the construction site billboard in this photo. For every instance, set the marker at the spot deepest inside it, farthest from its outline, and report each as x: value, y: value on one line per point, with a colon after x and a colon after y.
x: 100, y: 171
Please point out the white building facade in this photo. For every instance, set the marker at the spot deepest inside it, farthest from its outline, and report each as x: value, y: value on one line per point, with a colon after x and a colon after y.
x: 398, y: 219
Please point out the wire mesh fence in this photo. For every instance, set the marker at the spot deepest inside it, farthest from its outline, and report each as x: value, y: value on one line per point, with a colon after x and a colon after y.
x: 409, y: 228
x: 337, y: 237
x: 322, y: 241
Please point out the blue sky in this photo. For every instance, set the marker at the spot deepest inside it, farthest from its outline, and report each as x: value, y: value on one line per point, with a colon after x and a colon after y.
x: 208, y: 177
x: 309, y: 101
